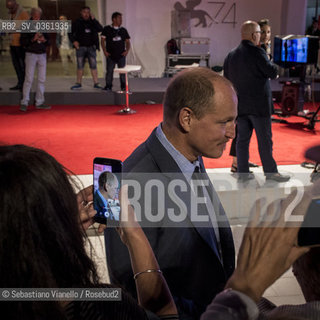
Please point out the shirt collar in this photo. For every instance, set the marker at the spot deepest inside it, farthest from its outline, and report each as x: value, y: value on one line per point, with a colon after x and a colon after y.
x: 186, y: 167
x: 105, y: 202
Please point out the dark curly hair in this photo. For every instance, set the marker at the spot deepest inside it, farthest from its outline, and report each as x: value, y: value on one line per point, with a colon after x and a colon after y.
x: 41, y: 238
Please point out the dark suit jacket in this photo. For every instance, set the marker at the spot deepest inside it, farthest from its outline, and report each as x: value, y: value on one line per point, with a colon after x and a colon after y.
x: 249, y: 69
x: 184, y: 251
x: 100, y: 207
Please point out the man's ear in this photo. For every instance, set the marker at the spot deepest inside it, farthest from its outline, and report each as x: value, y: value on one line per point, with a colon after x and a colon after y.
x: 185, y: 118
x: 254, y: 37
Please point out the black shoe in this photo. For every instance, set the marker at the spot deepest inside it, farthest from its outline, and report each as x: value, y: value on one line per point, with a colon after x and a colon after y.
x: 17, y: 87
x: 97, y: 86
x: 23, y: 107
x: 76, y: 86
x: 277, y: 177
x: 234, y: 168
x: 245, y: 176
x: 43, y: 106
x: 253, y: 165
x: 107, y: 89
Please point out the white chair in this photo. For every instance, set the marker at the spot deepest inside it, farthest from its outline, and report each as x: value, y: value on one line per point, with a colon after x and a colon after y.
x: 126, y: 70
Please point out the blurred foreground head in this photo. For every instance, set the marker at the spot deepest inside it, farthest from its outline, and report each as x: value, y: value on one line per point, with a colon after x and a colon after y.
x: 41, y: 240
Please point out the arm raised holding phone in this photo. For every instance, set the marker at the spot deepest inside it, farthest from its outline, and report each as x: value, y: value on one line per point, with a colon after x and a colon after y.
x: 152, y: 289
x: 268, y: 249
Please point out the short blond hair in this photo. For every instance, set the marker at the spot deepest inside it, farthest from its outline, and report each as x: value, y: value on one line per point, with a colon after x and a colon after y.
x: 36, y: 9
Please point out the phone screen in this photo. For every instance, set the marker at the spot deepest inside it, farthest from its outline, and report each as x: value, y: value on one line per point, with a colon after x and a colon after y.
x: 309, y: 233
x: 106, y: 184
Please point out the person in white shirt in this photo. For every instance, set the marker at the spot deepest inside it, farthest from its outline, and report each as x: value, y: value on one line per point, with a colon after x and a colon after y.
x: 65, y: 48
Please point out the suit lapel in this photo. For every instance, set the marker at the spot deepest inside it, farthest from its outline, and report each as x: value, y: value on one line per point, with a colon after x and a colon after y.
x: 168, y: 166
x: 226, y: 238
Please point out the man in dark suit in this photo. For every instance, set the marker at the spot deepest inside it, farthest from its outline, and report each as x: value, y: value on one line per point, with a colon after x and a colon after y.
x: 107, y: 191
x: 191, y: 240
x: 249, y: 69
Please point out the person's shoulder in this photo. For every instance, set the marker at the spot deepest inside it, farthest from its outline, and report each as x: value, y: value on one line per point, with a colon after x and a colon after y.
x: 232, y: 52
x: 253, y: 49
x: 24, y: 15
x: 107, y: 29
x: 142, y: 159
x: 77, y: 22
x: 260, y: 49
x: 125, y: 32
x: 139, y: 160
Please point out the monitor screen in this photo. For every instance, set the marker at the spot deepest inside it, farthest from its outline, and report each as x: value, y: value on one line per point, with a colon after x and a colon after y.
x: 295, y: 50
x: 292, y: 50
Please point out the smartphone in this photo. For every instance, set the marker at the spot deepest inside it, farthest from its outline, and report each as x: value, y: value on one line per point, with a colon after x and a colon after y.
x: 106, y: 186
x: 309, y: 233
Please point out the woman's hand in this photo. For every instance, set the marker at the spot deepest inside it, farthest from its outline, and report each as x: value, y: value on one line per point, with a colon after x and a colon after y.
x: 268, y: 246
x: 129, y: 228
x: 85, y: 206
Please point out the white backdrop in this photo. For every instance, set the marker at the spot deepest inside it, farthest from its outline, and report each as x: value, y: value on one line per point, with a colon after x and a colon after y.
x: 149, y: 25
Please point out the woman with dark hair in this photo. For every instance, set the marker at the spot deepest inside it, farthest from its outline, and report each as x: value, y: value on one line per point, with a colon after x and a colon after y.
x: 42, y: 244
x: 265, y: 39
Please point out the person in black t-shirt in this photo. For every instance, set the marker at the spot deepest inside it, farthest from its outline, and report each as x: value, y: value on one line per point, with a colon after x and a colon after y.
x: 115, y: 43
x: 85, y: 39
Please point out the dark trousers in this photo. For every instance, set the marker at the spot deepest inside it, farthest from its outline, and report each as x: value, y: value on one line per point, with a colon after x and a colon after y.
x: 18, y: 56
x: 110, y: 67
x: 233, y: 148
x: 262, y: 126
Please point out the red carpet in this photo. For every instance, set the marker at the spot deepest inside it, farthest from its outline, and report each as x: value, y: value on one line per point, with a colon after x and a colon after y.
x: 74, y: 135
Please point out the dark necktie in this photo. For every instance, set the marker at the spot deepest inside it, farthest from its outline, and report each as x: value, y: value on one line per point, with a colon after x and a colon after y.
x: 206, y: 232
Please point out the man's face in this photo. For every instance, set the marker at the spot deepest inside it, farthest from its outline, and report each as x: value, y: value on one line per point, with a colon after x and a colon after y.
x: 117, y: 21
x: 85, y: 14
x: 36, y: 15
x: 112, y: 189
x: 10, y: 4
x: 208, y: 135
x: 256, y: 35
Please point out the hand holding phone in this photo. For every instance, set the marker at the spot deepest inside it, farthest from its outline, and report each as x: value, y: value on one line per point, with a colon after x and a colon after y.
x: 85, y: 207
x: 107, y: 182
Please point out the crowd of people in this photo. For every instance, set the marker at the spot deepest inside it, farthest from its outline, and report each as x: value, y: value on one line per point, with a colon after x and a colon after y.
x: 43, y: 224
x: 181, y: 265
x: 171, y: 268
x: 29, y: 50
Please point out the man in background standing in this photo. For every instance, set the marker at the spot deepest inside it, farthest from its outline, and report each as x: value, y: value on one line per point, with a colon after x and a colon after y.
x: 85, y: 39
x: 65, y: 47
x: 35, y: 45
x: 249, y: 69
x: 16, y: 50
x: 115, y: 43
